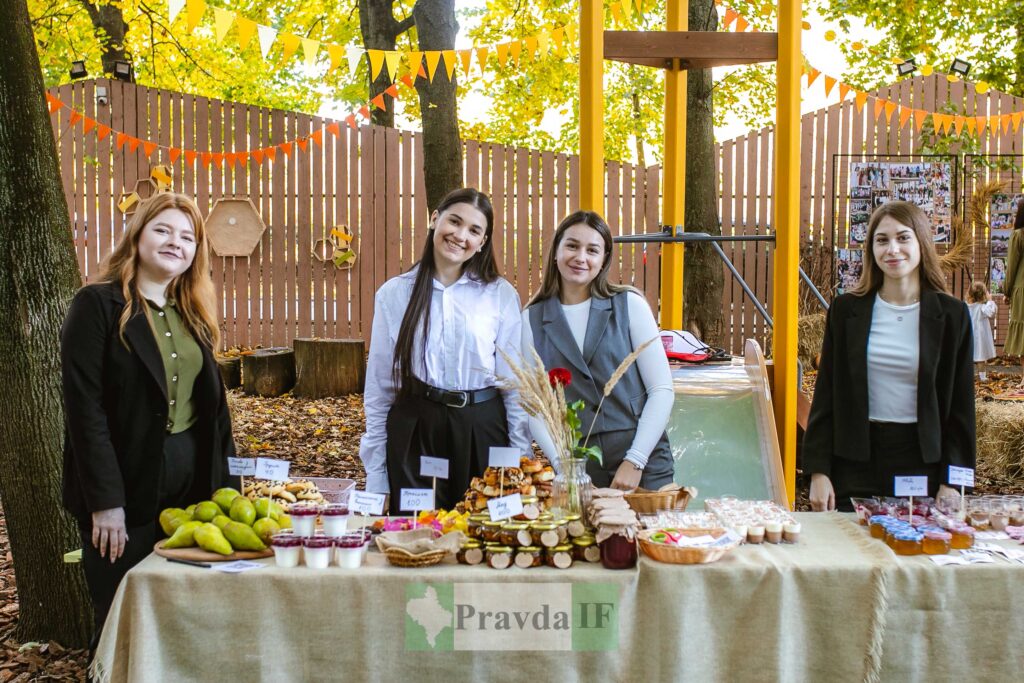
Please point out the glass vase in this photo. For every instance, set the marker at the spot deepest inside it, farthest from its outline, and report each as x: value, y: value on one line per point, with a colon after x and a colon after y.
x: 570, y: 489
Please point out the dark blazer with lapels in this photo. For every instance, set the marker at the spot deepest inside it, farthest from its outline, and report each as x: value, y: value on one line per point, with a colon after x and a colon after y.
x: 115, y: 405
x: 838, y: 423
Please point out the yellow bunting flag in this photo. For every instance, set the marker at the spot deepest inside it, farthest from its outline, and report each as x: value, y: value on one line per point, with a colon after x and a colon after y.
x: 543, y: 40
x: 557, y: 38
x: 466, y: 56
x: 860, y: 98
x: 890, y: 107
x: 393, y: 60
x: 289, y: 45
x: 829, y: 84
x: 514, y: 48
x: 919, y: 116
x: 449, y: 62
x: 376, y: 63
x: 844, y: 90
x: 812, y: 75
x: 531, y: 47
x: 415, y: 58
x: 246, y: 30
x: 616, y: 9
x: 433, y: 57
x: 570, y: 33
x: 336, y: 54
x: 194, y: 10
x: 627, y: 9
x: 222, y: 20
x: 502, y: 51
x: 481, y: 57
x: 310, y: 49
x: 905, y: 114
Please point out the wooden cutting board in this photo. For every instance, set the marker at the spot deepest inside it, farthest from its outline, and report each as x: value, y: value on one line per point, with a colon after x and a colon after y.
x: 200, y: 555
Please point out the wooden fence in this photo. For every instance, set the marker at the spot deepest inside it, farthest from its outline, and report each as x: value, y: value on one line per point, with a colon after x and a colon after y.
x: 370, y: 180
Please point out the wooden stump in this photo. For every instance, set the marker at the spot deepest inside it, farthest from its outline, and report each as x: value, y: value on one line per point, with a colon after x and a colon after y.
x: 268, y: 372
x: 231, y: 371
x: 329, y: 367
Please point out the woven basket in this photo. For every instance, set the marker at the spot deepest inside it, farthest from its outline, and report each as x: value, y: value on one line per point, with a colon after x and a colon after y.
x: 676, y: 555
x: 649, y: 502
x: 401, y: 557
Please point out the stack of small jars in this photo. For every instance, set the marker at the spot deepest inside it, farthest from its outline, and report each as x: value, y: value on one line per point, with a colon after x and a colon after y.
x: 524, y: 543
x: 916, y: 535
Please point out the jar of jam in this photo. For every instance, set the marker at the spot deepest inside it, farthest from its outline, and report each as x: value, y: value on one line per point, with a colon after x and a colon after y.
x: 544, y: 534
x: 515, y: 534
x: 575, y: 526
x: 491, y: 531
x: 618, y: 552
x: 907, y: 542
x: 499, y: 556
x: 531, y: 509
x: 585, y: 549
x: 560, y: 556
x: 545, y: 516
x: 474, y: 525
x: 963, y: 538
x: 936, y: 542
x: 529, y: 556
x: 470, y: 553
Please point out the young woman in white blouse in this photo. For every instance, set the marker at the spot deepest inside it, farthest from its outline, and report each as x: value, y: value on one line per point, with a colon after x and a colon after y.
x: 430, y: 377
x: 895, y: 388
x: 583, y: 323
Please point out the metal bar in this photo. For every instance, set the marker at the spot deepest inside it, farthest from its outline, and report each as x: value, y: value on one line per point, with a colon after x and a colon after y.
x: 743, y: 283
x: 814, y: 290
x: 691, y: 237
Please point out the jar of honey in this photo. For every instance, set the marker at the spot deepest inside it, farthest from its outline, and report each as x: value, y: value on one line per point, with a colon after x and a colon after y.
x: 515, y: 534
x: 491, y: 531
x: 876, y: 525
x: 936, y: 542
x: 907, y: 542
x: 963, y: 537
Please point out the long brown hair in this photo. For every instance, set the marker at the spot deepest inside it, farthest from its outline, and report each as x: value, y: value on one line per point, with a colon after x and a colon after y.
x: 551, y: 285
x: 481, y: 267
x: 1018, y: 221
x: 913, y: 217
x: 192, y: 291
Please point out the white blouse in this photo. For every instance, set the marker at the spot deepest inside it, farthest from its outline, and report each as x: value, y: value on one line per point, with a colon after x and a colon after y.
x: 894, y: 352
x: 469, y: 322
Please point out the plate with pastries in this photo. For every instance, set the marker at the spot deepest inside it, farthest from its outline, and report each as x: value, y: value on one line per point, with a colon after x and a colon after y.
x: 531, y: 478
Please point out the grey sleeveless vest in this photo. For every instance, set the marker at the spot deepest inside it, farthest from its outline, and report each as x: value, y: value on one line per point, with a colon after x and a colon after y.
x: 605, y: 345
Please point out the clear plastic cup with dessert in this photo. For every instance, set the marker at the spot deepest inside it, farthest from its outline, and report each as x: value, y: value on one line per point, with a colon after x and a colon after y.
x: 998, y: 515
x: 334, y: 517
x: 287, y: 549
x: 304, y: 518
x: 349, y: 549
x: 316, y: 551
x: 791, y: 532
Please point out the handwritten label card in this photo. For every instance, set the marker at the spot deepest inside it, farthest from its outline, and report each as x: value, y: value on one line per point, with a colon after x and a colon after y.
x: 433, y: 467
x: 414, y: 500
x: 503, y: 457
x: 241, y: 467
x: 911, y: 486
x: 505, y: 507
x: 366, y: 503
x: 961, y: 476
x: 275, y: 470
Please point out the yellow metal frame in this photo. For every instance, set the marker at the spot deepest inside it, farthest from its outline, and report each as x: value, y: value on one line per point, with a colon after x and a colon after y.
x: 786, y: 200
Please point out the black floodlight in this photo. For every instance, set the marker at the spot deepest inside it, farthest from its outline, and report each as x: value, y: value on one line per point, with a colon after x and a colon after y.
x: 906, y: 68
x: 960, y: 67
x: 123, y: 71
x: 78, y: 69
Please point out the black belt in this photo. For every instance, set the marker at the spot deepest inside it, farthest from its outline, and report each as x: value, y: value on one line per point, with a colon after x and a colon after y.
x: 453, y: 399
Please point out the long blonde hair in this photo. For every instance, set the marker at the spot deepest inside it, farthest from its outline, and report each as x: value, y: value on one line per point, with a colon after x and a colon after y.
x: 192, y: 291
x: 910, y: 215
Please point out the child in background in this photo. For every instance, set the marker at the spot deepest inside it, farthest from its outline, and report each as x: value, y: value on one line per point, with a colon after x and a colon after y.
x: 983, y: 310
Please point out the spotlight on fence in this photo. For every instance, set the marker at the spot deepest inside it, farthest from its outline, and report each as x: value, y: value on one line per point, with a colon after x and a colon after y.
x: 102, y: 98
x: 960, y: 67
x: 906, y: 68
x: 123, y: 71
x: 78, y: 69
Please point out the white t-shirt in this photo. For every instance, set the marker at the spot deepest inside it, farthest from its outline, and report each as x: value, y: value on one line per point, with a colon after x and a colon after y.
x: 894, y: 354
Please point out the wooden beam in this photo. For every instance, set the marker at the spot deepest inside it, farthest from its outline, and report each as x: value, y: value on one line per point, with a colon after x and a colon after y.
x: 690, y: 49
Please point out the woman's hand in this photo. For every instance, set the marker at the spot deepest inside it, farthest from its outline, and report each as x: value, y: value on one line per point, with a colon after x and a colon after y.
x: 823, y: 496
x: 948, y: 493
x: 627, y: 477
x: 109, y: 533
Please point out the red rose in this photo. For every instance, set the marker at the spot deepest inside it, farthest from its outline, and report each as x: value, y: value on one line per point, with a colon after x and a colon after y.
x: 559, y: 376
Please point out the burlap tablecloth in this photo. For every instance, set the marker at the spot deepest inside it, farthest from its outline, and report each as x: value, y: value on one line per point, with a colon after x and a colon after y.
x: 839, y: 606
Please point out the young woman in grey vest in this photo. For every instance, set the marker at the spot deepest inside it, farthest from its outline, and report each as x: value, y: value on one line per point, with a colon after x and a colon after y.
x: 583, y: 323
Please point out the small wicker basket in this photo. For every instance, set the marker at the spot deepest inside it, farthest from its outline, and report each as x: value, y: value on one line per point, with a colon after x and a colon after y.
x: 649, y: 502
x: 676, y: 555
x: 400, y: 557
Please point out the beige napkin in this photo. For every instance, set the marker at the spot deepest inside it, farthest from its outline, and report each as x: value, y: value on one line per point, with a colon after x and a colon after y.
x: 420, y: 541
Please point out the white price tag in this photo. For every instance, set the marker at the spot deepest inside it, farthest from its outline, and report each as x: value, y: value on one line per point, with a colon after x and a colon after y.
x: 275, y: 470
x: 433, y: 467
x: 911, y: 486
x: 366, y: 503
x: 503, y: 457
x: 961, y: 476
x: 236, y: 567
x: 241, y: 467
x: 505, y: 507
x: 414, y: 500
x: 976, y: 558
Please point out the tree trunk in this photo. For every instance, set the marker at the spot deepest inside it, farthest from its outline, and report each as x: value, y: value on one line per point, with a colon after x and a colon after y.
x: 329, y: 367
x: 108, y: 20
x: 702, y: 272
x: 442, y: 147
x: 38, y: 276
x: 380, y: 30
x: 268, y: 372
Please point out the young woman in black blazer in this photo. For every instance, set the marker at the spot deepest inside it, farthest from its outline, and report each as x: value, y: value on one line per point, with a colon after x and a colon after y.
x: 895, y: 388
x: 147, y: 422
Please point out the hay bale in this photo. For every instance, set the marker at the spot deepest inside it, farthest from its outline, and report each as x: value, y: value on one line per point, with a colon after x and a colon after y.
x: 1000, y: 440
x: 810, y: 329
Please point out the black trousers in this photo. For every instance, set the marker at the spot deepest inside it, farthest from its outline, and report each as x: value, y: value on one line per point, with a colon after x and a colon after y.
x: 895, y: 451
x: 417, y: 426
x: 660, y: 469
x: 103, y: 577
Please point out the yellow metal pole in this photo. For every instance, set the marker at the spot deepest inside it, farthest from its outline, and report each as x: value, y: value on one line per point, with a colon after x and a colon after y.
x: 592, y: 106
x: 787, y: 234
x: 674, y: 193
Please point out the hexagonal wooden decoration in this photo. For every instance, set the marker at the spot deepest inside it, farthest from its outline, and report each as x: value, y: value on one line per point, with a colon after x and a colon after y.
x: 127, y: 202
x: 145, y: 188
x: 234, y: 227
x: 162, y: 175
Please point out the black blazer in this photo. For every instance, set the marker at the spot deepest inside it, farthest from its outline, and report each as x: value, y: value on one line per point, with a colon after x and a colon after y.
x: 115, y: 406
x: 838, y: 423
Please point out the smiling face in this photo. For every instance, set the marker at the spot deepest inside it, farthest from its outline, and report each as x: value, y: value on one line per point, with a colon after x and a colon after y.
x: 167, y: 246
x: 580, y: 256
x: 896, y: 249
x: 459, y: 232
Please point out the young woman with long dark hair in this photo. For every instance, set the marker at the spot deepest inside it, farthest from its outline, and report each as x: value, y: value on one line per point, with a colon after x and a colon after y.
x: 1014, y: 344
x: 895, y: 388
x: 584, y: 323
x: 434, y: 356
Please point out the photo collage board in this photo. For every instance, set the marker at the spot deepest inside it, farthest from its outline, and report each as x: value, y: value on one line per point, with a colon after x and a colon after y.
x: 873, y: 183
x: 1002, y: 211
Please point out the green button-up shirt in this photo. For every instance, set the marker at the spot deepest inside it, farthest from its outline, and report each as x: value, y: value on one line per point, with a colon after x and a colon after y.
x: 182, y: 358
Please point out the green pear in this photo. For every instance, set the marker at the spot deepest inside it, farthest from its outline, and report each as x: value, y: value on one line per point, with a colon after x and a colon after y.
x: 242, y: 537
x: 242, y: 510
x: 220, y: 520
x: 172, y: 518
x: 262, y: 505
x: 210, y: 538
x: 223, y: 498
x: 190, y: 510
x: 265, y: 527
x: 284, y: 521
x: 206, y: 511
x: 183, y: 536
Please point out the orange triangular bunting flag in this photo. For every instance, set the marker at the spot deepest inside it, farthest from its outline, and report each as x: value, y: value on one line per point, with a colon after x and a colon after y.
x: 465, y: 56
x: 829, y: 84
x: 302, y: 143
x: 53, y: 103
x: 75, y: 118
x: 190, y: 156
x: 843, y: 91
x: 958, y: 123
x: 879, y: 106
x: 243, y: 158
x: 286, y: 147
x: 741, y: 24
x: 173, y: 153
x: 378, y: 102
x: 982, y: 121
x: 257, y: 154
x: 317, y: 137
x: 148, y: 148
x: 334, y: 129
x: 351, y: 121
x: 230, y: 158
x: 481, y: 57
x: 407, y: 79
x: 730, y: 16
x: 103, y: 131
x: 905, y: 115
x: 391, y: 90
x: 121, y: 139
x: 514, y: 49
x: 812, y: 75
x: 88, y: 125
x: 449, y: 62
x: 365, y: 111
x: 133, y: 144
x: 1016, y: 117
x: 271, y: 153
x: 531, y: 46
x: 207, y: 158
x: 919, y: 116
x: 860, y: 99
x: 1005, y: 120
x: 890, y: 107
x: 502, y: 54
x: 972, y: 124
x: 218, y: 158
